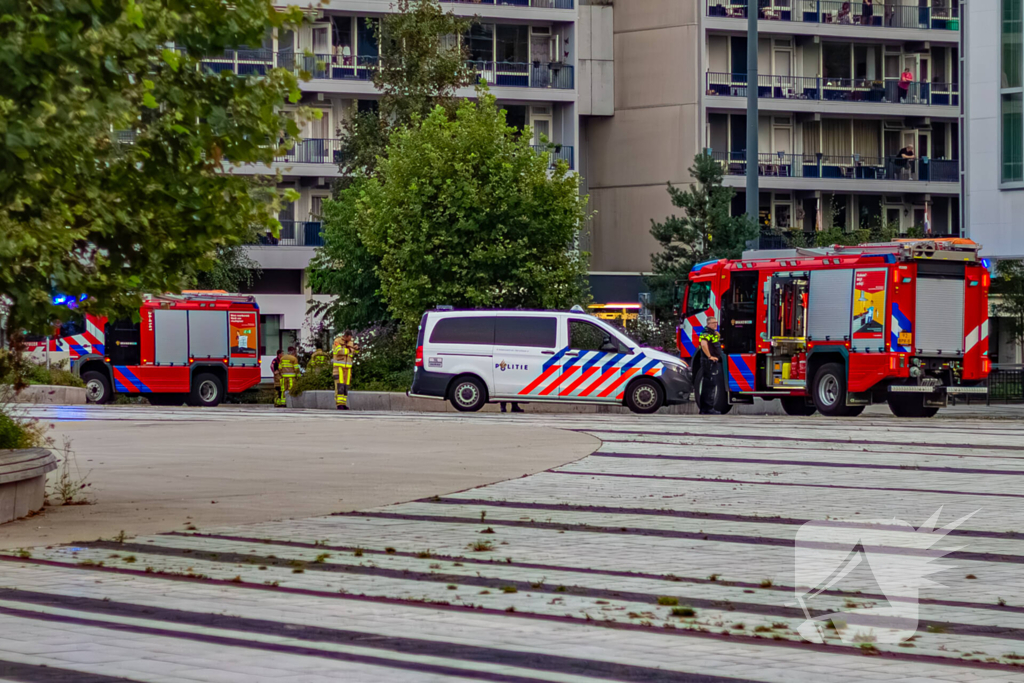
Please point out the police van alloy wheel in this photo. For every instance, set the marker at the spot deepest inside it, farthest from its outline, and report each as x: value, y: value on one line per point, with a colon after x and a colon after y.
x: 207, y: 391
x: 97, y: 387
x: 644, y: 396
x: 797, y: 406
x: 830, y: 390
x: 468, y: 394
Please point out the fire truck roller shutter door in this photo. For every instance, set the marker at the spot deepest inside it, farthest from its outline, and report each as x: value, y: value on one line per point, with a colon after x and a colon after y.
x: 830, y: 304
x: 936, y: 329
x: 170, y: 334
x: 208, y: 334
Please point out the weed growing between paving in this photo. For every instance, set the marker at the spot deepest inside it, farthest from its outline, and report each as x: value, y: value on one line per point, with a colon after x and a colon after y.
x: 70, y: 485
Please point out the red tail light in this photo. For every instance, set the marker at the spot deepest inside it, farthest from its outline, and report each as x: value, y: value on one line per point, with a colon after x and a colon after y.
x: 419, y: 356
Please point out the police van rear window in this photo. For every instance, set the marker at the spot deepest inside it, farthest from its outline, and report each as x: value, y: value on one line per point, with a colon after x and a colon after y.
x: 525, y: 331
x: 471, y: 330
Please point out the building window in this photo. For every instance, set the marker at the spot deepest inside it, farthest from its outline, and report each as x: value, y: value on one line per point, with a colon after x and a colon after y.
x: 1011, y: 93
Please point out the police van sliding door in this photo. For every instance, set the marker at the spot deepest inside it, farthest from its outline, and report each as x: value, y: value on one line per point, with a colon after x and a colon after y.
x: 526, y: 355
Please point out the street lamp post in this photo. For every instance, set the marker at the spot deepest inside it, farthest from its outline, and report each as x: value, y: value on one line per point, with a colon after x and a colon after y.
x: 753, y: 204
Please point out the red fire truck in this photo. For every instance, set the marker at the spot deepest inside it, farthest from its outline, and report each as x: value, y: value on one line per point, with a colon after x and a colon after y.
x: 833, y: 330
x: 190, y: 348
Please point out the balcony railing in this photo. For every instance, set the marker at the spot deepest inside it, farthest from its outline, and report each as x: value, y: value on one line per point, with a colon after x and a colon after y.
x: 545, y: 4
x: 842, y: 12
x: 296, y: 234
x: 842, y: 167
x: 313, y: 151
x: 339, y: 67
x: 526, y: 75
x: 557, y: 153
x: 835, y: 89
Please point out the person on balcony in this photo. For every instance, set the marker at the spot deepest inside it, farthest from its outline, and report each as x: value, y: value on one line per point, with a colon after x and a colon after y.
x: 844, y: 14
x: 906, y: 78
x: 867, y: 12
x: 905, y: 162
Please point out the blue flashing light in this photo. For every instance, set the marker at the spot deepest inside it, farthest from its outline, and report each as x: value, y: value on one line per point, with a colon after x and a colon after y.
x: 702, y: 264
x: 59, y: 300
x: 986, y: 263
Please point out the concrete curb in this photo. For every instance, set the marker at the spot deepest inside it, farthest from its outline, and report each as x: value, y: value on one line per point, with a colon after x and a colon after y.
x: 23, y: 481
x: 51, y: 394
x: 396, y: 402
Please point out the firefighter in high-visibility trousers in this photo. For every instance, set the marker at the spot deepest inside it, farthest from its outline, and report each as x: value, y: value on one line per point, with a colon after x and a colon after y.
x: 275, y: 367
x: 343, y: 352
x: 289, y: 371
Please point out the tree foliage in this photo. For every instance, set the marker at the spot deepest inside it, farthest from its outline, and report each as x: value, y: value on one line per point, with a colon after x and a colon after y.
x: 1008, y: 285
x: 462, y: 211
x: 704, y: 232
x: 421, y: 67
x: 85, y: 209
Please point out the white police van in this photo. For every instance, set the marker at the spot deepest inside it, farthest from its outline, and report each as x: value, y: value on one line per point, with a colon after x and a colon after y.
x: 478, y: 356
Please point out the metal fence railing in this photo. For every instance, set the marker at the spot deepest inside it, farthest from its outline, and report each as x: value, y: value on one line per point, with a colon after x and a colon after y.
x: 887, y: 91
x: 544, y: 4
x: 866, y: 14
x: 839, y: 167
x: 361, y: 68
x: 557, y: 153
x: 295, y: 234
x: 313, y: 151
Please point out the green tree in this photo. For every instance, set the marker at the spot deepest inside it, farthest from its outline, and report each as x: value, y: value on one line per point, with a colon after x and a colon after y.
x: 233, y: 270
x: 704, y: 232
x: 86, y: 209
x: 421, y: 66
x: 1008, y: 286
x: 462, y: 211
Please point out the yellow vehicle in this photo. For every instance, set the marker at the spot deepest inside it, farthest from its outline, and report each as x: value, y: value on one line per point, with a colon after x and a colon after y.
x: 619, y: 312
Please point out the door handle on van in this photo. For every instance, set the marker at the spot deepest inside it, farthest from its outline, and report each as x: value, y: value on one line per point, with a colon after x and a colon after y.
x: 549, y: 353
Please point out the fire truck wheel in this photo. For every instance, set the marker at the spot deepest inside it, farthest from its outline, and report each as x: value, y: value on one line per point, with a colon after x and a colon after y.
x: 830, y: 390
x: 207, y: 391
x: 645, y: 396
x: 468, y: 394
x: 909, y: 405
x: 797, y: 406
x: 97, y: 388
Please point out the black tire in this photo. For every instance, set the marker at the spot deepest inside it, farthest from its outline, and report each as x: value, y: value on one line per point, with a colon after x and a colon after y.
x: 724, y: 406
x: 166, y: 399
x: 645, y: 396
x: 468, y: 394
x: 909, y: 405
x: 829, y: 391
x: 97, y: 388
x: 207, y: 391
x: 798, y: 406
x: 854, y: 411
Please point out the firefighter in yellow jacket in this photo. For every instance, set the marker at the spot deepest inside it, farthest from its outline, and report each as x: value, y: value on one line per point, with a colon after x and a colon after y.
x: 319, y: 359
x: 343, y: 352
x: 289, y: 366
x: 275, y: 367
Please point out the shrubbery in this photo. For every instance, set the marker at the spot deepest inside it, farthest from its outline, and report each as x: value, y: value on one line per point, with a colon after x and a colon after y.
x: 385, y: 360
x: 36, y: 373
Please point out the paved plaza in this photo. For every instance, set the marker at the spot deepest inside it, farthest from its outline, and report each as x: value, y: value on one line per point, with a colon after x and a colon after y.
x: 669, y: 553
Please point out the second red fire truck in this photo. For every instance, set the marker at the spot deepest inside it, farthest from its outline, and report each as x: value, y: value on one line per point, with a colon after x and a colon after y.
x: 834, y: 330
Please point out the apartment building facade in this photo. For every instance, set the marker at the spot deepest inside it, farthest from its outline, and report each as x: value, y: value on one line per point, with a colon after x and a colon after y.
x: 529, y: 52
x: 833, y: 117
x: 994, y: 128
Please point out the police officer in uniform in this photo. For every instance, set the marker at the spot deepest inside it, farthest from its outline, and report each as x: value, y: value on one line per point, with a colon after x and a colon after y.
x: 289, y: 371
x: 712, y: 371
x: 275, y: 367
x: 344, y: 351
